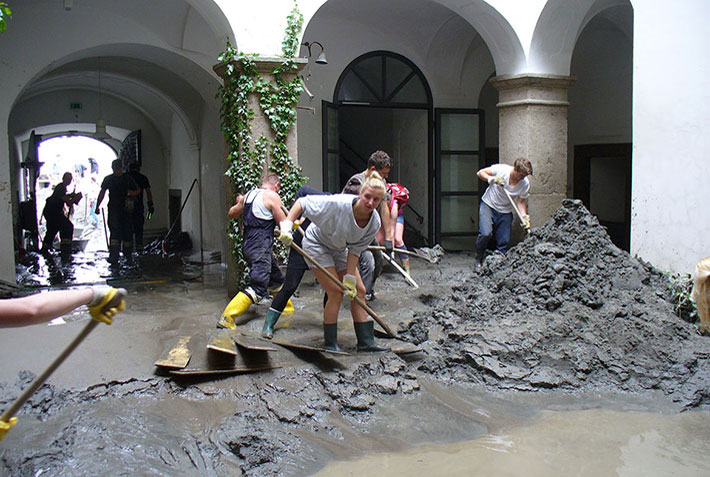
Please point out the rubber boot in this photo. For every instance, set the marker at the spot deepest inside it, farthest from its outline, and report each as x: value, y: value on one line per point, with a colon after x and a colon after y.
x: 65, y: 250
x: 239, y: 304
x: 272, y: 316
x: 114, y: 249
x: 128, y: 251
x: 330, y: 335
x: 365, y: 333
x: 405, y: 264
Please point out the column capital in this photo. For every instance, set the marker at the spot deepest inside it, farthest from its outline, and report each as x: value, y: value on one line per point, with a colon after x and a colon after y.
x: 505, y: 82
x: 262, y: 64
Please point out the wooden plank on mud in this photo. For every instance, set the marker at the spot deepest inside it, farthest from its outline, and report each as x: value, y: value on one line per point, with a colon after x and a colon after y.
x: 177, y: 355
x: 233, y: 370
x: 252, y: 343
x: 306, y: 347
x: 222, y: 341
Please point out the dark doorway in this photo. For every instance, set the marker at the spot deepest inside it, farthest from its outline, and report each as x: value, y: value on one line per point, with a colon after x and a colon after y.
x: 383, y: 102
x: 602, y: 180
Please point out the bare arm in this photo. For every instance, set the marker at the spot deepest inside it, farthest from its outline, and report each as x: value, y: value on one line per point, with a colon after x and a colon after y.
x: 238, y: 208
x: 523, y: 206
x: 99, y: 200
x: 351, y: 266
x: 41, y: 307
x: 393, y: 217
x: 295, y: 211
x: 385, y: 219
x: 485, y: 174
x: 272, y: 201
x: 149, y: 194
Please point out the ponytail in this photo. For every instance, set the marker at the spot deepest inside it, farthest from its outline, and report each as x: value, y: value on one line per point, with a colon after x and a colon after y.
x: 374, y: 181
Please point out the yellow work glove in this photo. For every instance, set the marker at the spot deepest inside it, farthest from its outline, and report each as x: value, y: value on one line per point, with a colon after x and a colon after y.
x: 6, y: 426
x: 525, y: 222
x: 500, y: 180
x: 286, y: 232
x: 106, y: 303
x: 350, y: 282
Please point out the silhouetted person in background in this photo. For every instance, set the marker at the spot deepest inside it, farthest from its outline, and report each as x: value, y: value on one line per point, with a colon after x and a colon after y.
x: 122, y: 190
x: 57, y: 221
x: 138, y: 209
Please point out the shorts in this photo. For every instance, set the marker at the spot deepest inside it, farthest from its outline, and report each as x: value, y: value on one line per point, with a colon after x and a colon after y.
x: 400, y: 219
x: 325, y: 256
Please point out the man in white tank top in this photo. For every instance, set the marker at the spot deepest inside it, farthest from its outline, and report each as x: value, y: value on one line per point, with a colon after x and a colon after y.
x: 261, y: 210
x: 495, y: 214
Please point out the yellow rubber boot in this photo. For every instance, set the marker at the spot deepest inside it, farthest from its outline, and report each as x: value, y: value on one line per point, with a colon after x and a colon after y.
x: 288, y: 309
x: 239, y: 304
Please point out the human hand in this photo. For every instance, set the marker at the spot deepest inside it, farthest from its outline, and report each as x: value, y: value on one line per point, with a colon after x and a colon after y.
x: 151, y: 209
x: 388, y: 246
x: 525, y: 222
x: 286, y: 232
x: 106, y: 303
x: 5, y: 426
x: 350, y: 282
x: 498, y: 179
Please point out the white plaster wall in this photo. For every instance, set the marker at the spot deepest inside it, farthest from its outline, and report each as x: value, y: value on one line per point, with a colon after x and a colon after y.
x: 184, y: 169
x: 671, y: 112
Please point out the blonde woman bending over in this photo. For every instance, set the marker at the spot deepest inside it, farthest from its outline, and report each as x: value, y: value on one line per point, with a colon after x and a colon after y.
x: 342, y: 227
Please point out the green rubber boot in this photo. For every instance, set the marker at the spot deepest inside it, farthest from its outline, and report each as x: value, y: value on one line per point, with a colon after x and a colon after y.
x: 365, y: 333
x: 330, y: 334
x: 272, y: 316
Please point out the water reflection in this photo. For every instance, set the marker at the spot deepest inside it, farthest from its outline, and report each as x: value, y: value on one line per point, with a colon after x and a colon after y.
x: 583, y: 443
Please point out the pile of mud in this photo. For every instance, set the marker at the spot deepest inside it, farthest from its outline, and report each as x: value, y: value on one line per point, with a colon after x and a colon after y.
x: 565, y: 309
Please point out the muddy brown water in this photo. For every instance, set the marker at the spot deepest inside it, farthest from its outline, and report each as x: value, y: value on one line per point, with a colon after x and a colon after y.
x: 519, y: 370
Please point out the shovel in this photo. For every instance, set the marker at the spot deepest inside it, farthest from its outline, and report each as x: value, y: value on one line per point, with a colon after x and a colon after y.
x: 515, y: 208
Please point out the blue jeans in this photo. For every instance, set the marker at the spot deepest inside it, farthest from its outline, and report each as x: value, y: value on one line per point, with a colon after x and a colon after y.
x: 492, y: 223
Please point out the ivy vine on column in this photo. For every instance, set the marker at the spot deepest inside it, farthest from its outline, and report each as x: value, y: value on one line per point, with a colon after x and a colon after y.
x: 278, y: 100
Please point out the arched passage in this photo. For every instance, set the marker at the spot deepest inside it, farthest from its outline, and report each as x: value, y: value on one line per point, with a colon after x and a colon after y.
x: 156, y: 75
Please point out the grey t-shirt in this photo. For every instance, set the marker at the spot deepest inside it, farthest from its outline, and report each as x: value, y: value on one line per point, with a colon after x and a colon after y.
x: 333, y: 223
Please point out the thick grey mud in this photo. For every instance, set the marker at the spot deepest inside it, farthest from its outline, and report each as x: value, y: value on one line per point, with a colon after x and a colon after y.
x: 563, y: 318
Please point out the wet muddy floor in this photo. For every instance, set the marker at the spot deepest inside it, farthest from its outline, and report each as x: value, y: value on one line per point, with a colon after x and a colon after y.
x: 564, y: 356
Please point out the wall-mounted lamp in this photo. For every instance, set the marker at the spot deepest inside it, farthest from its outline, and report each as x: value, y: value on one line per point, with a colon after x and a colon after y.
x: 321, y: 58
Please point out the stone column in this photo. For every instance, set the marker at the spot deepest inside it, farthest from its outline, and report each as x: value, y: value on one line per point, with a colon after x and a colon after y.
x: 533, y: 124
x: 260, y: 126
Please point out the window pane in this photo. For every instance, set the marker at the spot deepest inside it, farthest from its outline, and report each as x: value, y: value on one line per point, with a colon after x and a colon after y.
x: 458, y: 243
x: 412, y: 92
x: 458, y: 173
x: 395, y: 73
x: 333, y: 172
x: 459, y: 132
x: 353, y: 89
x: 332, y: 129
x: 370, y: 70
x: 456, y: 213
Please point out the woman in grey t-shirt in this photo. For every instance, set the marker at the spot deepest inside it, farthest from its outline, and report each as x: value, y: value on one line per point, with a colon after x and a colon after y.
x: 342, y: 227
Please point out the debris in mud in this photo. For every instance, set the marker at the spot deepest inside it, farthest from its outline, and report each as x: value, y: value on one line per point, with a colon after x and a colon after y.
x: 567, y: 309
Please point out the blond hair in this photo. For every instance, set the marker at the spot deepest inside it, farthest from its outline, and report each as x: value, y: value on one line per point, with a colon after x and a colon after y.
x: 701, y: 293
x: 374, y: 181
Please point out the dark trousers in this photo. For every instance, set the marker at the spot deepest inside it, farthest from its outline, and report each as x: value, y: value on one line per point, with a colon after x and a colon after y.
x: 57, y: 222
x: 265, y: 272
x: 138, y: 223
x: 492, y: 223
